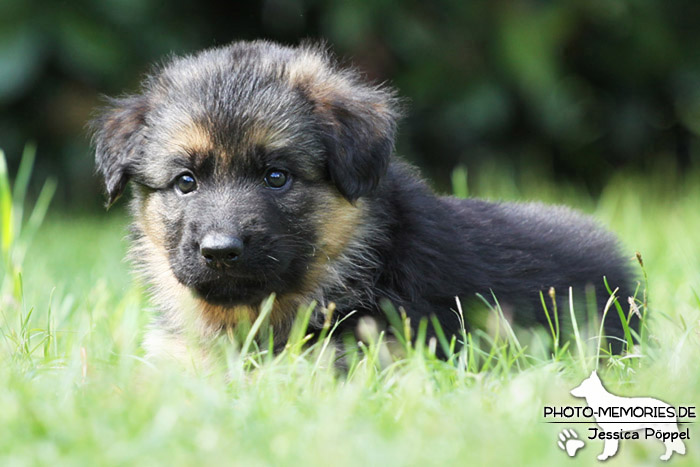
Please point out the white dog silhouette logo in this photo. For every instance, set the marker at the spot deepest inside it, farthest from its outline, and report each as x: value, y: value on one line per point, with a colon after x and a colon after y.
x: 639, y: 415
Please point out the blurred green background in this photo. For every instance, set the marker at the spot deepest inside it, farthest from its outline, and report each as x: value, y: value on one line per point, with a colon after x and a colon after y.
x: 591, y: 103
x: 575, y: 90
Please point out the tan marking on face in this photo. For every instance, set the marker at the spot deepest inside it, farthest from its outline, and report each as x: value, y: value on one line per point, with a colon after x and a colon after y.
x: 259, y: 134
x: 340, y: 222
x: 167, y: 291
x: 151, y: 222
x: 224, y: 317
x: 194, y: 139
x: 189, y: 139
x: 283, y: 311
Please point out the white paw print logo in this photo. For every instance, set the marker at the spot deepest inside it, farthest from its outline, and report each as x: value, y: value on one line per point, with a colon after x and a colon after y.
x: 569, y: 442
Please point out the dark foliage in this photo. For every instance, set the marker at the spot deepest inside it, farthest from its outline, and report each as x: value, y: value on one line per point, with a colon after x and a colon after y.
x: 575, y: 88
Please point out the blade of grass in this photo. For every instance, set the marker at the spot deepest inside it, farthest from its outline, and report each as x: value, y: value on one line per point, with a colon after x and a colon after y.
x: 577, y: 336
x: 608, y: 304
x: 442, y: 339
x: 645, y: 302
x: 555, y: 312
x: 19, y: 193
x: 36, y: 218
x: 265, y: 310
x: 623, y: 319
x: 7, y: 229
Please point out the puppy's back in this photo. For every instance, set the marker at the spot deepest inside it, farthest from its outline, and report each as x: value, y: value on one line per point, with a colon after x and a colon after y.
x: 532, y: 247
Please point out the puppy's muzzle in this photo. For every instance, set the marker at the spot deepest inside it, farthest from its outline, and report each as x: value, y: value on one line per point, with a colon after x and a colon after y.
x: 220, y: 251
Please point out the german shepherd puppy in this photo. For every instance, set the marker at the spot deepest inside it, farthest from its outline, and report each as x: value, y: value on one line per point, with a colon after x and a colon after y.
x: 261, y: 168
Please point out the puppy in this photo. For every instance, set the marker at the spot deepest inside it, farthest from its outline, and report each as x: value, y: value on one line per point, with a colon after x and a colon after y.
x: 259, y: 168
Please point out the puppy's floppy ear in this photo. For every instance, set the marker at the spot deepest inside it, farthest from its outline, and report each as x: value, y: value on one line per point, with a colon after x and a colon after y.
x: 358, y: 120
x: 117, y: 136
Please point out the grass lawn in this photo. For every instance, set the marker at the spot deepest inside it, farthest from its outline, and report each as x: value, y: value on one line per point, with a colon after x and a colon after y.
x: 75, y: 390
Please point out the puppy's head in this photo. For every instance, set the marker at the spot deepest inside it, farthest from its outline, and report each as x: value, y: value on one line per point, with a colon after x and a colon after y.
x: 248, y: 162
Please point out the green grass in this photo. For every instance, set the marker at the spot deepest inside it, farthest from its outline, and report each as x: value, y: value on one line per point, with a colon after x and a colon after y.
x: 75, y: 390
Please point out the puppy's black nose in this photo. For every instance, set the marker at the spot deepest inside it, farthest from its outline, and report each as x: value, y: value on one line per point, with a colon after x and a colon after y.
x: 220, y: 250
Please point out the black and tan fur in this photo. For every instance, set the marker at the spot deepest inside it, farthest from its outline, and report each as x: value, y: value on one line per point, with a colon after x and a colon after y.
x: 354, y: 226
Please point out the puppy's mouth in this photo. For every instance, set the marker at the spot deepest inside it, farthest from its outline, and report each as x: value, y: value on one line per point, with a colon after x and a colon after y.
x: 247, y: 281
x: 229, y: 291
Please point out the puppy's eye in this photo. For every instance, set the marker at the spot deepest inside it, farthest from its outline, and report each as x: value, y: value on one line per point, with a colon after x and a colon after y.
x: 185, y: 183
x: 276, y: 179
